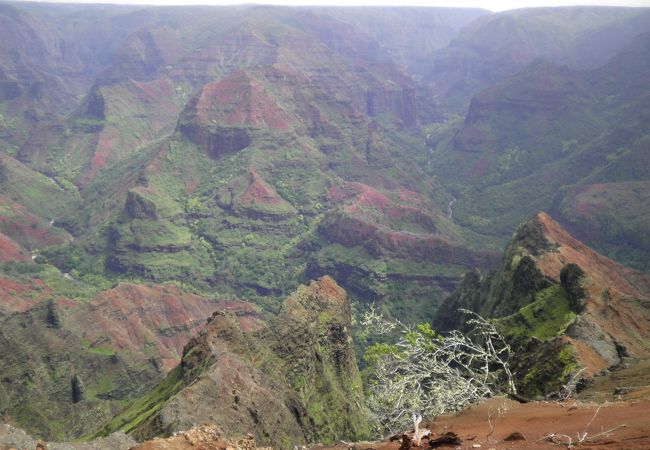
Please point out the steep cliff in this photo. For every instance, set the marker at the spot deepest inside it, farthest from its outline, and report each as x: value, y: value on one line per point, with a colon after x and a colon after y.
x: 288, y: 382
x: 563, y: 306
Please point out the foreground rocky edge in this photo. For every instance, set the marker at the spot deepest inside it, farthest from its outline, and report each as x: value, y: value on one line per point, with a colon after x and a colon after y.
x: 203, y: 437
x: 289, y: 381
x: 495, y: 424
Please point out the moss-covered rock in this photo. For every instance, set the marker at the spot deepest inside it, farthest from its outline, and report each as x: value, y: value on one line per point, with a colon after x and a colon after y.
x: 289, y: 383
x: 137, y: 206
x: 571, y: 278
x: 551, y: 299
x: 314, y: 338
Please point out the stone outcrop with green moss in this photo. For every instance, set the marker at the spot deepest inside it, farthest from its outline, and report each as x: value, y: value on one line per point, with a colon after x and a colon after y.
x: 291, y: 382
x: 531, y: 309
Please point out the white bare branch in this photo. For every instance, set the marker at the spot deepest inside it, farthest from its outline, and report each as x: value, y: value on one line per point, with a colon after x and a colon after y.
x: 435, y: 374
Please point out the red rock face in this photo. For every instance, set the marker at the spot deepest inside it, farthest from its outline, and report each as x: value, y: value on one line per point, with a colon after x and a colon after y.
x: 11, y: 251
x: 125, y: 103
x: 240, y: 100
x: 259, y: 192
x: 25, y: 229
x: 602, y: 271
x: 618, y: 298
x: 19, y: 297
x: 326, y: 288
x: 133, y: 317
x: 400, y: 222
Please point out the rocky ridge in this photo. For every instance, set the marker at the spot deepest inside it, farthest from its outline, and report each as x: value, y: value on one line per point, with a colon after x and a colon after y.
x: 555, y: 296
x: 291, y: 381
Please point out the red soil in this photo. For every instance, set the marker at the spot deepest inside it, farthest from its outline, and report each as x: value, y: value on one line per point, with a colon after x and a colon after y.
x: 259, y: 192
x: 618, y: 298
x: 11, y: 251
x: 19, y: 297
x: 155, y: 90
x: 610, y: 426
x: 134, y: 316
x: 401, y: 211
x: 363, y: 196
x: 410, y: 196
x: 326, y: 287
x: 26, y: 229
x: 536, y: 421
x: 603, y: 271
x: 240, y: 100
x: 620, y: 198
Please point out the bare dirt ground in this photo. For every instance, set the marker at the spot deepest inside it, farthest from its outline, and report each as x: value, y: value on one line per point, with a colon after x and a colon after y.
x: 551, y: 425
x: 631, y: 382
x: 542, y: 425
x: 612, y: 412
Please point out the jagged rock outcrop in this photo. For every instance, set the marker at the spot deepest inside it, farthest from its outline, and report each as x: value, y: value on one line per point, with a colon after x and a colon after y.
x: 204, y: 437
x: 562, y: 305
x: 223, y: 117
x: 288, y: 383
x: 313, y: 336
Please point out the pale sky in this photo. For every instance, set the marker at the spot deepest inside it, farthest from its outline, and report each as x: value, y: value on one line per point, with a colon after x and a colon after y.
x: 493, y: 5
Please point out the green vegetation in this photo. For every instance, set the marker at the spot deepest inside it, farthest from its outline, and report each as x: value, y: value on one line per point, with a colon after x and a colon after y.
x: 239, y: 152
x: 145, y: 407
x: 547, y: 317
x: 61, y: 284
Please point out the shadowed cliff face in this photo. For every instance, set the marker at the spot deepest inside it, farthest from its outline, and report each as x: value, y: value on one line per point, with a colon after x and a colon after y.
x: 557, y: 296
x: 289, y: 382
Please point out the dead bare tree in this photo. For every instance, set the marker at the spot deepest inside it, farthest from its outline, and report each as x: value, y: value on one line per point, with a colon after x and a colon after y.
x: 431, y: 374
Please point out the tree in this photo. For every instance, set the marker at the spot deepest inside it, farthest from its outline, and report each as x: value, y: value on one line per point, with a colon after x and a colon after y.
x: 430, y: 374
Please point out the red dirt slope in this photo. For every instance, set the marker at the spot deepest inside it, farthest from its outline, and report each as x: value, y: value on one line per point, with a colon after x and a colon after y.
x: 134, y: 317
x: 11, y: 251
x: 617, y: 307
x: 240, y: 100
x: 19, y: 297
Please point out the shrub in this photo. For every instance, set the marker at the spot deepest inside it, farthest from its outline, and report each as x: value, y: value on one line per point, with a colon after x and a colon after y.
x: 430, y: 374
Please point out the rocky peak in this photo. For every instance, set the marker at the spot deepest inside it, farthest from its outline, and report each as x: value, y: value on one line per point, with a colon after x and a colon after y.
x: 314, y: 338
x: 240, y: 100
x: 290, y: 382
x: 320, y: 296
x: 251, y: 196
x: 556, y: 296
